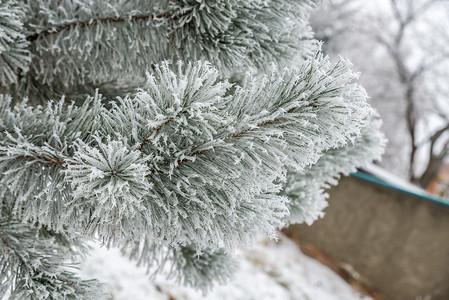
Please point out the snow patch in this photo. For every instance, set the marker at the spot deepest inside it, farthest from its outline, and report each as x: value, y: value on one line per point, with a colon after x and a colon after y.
x: 268, y: 270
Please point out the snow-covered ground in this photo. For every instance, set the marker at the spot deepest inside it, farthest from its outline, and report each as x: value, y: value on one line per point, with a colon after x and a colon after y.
x: 268, y: 270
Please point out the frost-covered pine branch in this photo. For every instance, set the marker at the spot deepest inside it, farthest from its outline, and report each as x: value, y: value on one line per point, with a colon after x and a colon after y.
x: 306, y: 189
x: 14, y: 55
x: 34, y: 261
x: 78, y: 46
x: 188, y: 166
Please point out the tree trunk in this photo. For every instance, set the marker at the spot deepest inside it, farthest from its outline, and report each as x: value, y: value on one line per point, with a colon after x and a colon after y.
x: 433, y: 168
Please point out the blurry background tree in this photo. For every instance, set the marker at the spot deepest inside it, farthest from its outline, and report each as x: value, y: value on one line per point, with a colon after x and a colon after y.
x: 401, y: 48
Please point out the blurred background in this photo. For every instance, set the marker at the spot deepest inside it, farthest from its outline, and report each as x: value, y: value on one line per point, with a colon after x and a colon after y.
x: 386, y: 225
x: 401, y: 48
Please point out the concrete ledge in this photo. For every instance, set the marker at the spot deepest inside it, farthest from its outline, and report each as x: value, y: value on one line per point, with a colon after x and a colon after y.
x: 398, y: 242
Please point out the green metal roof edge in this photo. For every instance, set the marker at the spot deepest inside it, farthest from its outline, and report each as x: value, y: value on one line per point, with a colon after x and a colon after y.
x: 376, y: 180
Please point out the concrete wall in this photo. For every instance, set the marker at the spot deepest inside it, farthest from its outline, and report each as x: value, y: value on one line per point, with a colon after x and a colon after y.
x: 397, y: 242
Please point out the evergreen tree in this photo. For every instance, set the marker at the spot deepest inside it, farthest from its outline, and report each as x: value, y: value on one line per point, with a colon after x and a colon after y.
x: 170, y: 128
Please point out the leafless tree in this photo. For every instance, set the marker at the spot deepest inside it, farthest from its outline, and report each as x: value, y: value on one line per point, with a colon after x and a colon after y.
x: 402, y: 49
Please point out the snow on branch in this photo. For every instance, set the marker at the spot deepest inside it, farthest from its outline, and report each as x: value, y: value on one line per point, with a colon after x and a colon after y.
x: 189, y: 160
x: 78, y: 45
x: 33, y: 265
x: 14, y: 53
x: 306, y: 189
